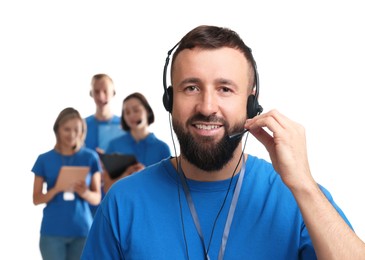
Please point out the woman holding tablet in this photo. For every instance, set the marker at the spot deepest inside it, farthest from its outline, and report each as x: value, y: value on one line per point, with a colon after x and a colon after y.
x: 137, y: 116
x: 72, y: 175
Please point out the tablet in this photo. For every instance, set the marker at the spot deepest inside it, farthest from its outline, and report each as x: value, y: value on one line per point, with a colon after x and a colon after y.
x: 117, y: 163
x: 69, y: 175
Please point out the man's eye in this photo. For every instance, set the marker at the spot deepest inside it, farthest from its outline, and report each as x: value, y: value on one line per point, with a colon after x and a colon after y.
x: 224, y: 89
x: 191, y: 88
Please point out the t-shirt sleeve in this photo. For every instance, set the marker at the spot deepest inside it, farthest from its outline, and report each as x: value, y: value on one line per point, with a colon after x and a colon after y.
x: 101, y: 242
x: 96, y: 164
x: 38, y: 168
x: 165, y: 151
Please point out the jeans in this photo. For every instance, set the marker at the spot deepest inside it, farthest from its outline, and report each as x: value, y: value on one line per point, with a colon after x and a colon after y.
x: 61, y: 248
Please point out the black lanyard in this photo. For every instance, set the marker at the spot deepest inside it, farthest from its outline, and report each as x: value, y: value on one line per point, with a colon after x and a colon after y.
x: 229, y: 219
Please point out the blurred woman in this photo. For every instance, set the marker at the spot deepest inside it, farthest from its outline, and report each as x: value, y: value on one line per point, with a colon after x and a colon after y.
x: 66, y: 217
x: 137, y: 116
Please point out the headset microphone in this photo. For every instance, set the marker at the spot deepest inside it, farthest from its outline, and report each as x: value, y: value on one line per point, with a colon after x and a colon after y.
x: 236, y: 136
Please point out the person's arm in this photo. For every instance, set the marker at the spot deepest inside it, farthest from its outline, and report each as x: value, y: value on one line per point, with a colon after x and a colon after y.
x: 93, y: 194
x: 38, y: 196
x: 108, y: 181
x: 331, y: 236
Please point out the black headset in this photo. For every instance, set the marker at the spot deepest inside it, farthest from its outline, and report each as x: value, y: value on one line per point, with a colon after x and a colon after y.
x: 253, y: 106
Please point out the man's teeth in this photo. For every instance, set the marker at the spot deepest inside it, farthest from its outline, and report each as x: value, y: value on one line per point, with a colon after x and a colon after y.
x: 207, y: 127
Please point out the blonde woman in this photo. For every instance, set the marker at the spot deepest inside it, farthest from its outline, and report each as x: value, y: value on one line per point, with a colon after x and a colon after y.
x: 66, y: 217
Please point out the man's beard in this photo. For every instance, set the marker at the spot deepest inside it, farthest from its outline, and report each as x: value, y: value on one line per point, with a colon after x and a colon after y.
x: 204, y: 153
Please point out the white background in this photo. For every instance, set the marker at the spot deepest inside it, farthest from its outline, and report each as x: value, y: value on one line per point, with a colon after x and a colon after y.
x: 310, y: 58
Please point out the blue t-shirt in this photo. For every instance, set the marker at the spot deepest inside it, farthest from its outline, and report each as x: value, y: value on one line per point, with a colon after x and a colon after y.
x: 147, y: 151
x: 146, y: 216
x: 99, y: 133
x: 67, y: 218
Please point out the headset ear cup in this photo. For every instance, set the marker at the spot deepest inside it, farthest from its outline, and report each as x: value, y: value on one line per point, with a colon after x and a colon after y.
x: 91, y: 93
x: 167, y: 99
x: 253, y: 107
